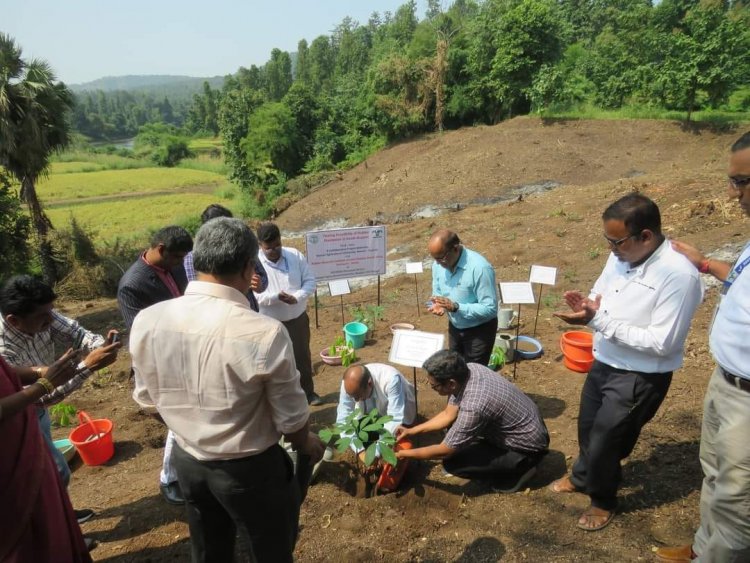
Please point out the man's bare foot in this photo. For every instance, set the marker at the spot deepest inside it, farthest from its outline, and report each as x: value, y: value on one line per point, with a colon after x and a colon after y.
x: 594, y: 519
x: 563, y: 485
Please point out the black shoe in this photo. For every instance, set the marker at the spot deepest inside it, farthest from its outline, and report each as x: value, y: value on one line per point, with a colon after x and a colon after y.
x: 514, y: 485
x: 314, y: 400
x: 84, y: 515
x: 91, y: 543
x: 172, y: 493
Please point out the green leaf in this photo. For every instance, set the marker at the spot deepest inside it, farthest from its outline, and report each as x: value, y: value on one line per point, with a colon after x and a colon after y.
x: 388, y: 455
x: 357, y: 443
x: 373, y: 427
x: 325, y: 434
x: 385, y: 419
x: 370, y: 454
x: 363, y: 436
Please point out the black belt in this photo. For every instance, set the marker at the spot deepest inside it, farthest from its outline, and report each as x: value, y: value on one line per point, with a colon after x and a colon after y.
x: 736, y: 380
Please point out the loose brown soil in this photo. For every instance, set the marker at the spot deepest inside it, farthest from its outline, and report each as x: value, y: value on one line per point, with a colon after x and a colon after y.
x: 437, y: 518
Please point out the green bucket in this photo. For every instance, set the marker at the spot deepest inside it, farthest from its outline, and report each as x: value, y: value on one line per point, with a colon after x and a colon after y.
x: 355, y: 334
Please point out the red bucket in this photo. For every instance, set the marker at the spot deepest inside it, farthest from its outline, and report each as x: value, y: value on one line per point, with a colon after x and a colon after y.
x: 391, y: 476
x: 576, y: 346
x: 93, y: 439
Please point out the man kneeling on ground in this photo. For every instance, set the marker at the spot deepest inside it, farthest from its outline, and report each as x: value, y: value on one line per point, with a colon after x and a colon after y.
x: 376, y: 386
x: 496, y: 431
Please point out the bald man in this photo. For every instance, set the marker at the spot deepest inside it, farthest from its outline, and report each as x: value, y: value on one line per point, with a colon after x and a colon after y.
x: 463, y: 287
x: 379, y: 386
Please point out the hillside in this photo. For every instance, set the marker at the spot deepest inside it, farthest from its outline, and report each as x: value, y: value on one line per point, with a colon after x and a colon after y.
x: 147, y: 83
x: 435, y: 518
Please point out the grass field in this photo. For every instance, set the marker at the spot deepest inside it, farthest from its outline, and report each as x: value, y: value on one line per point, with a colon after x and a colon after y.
x: 133, y: 219
x: 82, y: 185
x: 115, y: 197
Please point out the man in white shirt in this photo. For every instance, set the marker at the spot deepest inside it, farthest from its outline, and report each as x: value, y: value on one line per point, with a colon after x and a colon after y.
x: 376, y: 386
x: 223, y: 379
x: 290, y: 285
x: 724, y: 532
x: 640, y: 309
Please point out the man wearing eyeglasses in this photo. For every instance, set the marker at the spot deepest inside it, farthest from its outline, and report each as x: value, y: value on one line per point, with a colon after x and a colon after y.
x: 463, y: 287
x: 724, y: 531
x: 640, y: 309
x: 495, y: 431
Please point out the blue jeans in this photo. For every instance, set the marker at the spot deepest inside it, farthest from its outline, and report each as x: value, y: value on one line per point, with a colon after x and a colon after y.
x: 45, y: 424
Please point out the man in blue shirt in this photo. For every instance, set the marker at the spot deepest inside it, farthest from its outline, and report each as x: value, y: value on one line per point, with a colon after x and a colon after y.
x: 463, y: 286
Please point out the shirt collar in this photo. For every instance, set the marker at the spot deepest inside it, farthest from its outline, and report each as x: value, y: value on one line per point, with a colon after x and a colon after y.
x: 217, y: 290
x: 663, y: 248
x: 154, y: 266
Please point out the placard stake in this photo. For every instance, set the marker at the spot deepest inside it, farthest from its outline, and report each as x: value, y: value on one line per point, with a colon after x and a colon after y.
x: 342, y: 310
x: 414, y: 378
x: 538, y: 304
x: 416, y: 293
x: 317, y: 324
x: 515, y: 349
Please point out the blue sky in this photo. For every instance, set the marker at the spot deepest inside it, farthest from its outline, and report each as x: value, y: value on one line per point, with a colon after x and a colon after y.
x: 88, y: 39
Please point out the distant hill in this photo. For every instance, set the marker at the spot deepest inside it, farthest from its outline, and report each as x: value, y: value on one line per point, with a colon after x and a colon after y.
x: 148, y: 84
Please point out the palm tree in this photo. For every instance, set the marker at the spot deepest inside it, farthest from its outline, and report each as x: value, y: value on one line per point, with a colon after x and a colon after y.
x: 33, y: 125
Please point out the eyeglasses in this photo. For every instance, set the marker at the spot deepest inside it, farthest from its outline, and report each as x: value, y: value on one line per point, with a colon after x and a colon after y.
x: 443, y: 257
x: 615, y: 243
x: 739, y: 183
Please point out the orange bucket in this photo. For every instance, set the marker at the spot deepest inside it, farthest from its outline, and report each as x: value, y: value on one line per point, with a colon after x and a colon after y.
x: 391, y: 476
x: 93, y: 439
x: 576, y: 346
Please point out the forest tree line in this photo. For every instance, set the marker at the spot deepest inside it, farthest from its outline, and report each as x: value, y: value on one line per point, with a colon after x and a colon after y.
x: 347, y: 93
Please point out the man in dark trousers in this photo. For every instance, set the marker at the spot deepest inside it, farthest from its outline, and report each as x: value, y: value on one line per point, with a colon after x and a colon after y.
x: 463, y: 287
x: 157, y: 275
x: 640, y: 309
x: 495, y: 431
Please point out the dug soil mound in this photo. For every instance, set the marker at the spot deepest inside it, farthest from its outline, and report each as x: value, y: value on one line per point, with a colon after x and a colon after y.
x: 521, y: 193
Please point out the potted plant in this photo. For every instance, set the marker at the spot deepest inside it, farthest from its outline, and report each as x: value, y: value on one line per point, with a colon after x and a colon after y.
x: 368, y: 315
x: 340, y: 353
x: 368, y: 433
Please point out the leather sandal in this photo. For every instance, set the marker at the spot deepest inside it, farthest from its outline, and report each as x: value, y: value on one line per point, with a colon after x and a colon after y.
x: 563, y: 485
x: 595, y: 519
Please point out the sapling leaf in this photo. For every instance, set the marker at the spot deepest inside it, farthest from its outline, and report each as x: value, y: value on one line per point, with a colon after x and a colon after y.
x: 388, y: 455
x: 385, y: 419
x: 370, y: 454
x: 326, y: 434
x: 363, y: 436
x: 357, y: 443
x: 373, y: 427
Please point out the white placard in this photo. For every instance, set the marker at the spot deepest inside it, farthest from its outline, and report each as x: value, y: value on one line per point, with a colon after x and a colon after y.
x: 339, y: 287
x: 346, y: 253
x: 543, y: 274
x: 516, y: 292
x: 412, y: 347
x: 414, y: 268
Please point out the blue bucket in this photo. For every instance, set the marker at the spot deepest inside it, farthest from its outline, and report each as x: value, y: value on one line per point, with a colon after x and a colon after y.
x: 355, y: 334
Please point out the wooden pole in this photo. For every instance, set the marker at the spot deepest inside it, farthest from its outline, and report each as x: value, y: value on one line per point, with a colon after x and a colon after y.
x: 538, y: 304
x: 414, y: 377
x: 416, y: 293
x: 342, y: 310
x: 515, y: 349
x: 317, y: 325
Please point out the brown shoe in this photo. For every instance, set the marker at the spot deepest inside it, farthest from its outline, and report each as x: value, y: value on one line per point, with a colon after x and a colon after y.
x: 682, y: 554
x: 563, y: 485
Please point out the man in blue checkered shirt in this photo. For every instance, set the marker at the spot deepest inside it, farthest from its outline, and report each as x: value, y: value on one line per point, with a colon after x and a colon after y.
x: 496, y: 431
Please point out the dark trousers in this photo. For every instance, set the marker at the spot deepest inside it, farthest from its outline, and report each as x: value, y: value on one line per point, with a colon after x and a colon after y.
x: 257, y: 495
x: 483, y: 460
x: 474, y: 343
x: 299, y: 333
x: 615, y: 405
